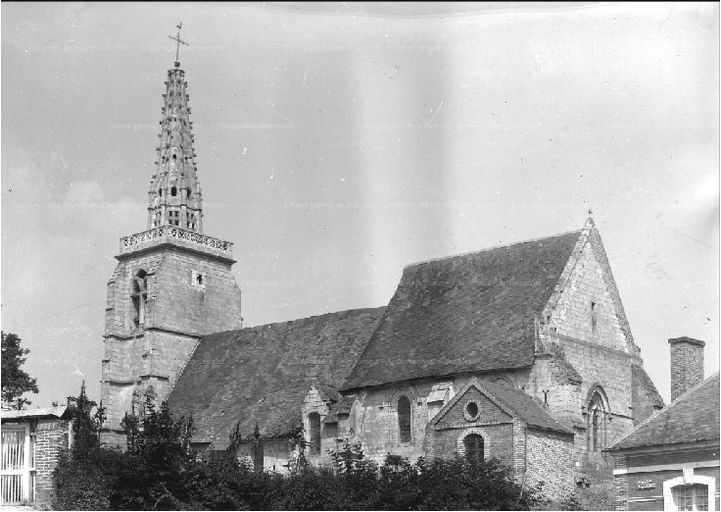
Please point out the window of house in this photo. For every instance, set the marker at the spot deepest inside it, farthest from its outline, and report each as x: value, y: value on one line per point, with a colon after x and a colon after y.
x: 404, y: 419
x: 690, y: 497
x: 473, y: 445
x: 314, y: 419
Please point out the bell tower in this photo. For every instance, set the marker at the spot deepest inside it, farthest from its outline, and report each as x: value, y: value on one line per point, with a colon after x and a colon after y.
x: 172, y: 284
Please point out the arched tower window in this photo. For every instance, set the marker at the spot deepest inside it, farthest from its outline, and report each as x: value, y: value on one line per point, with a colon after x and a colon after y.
x: 473, y: 445
x: 597, y: 421
x: 314, y: 420
x: 139, y: 295
x: 404, y: 419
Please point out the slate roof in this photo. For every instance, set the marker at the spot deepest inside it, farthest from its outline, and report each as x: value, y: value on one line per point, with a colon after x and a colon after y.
x: 526, y: 408
x: 466, y: 313
x: 261, y: 374
x: 693, y: 417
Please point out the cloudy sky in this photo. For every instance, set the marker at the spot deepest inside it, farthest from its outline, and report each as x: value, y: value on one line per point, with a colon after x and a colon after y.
x: 339, y: 142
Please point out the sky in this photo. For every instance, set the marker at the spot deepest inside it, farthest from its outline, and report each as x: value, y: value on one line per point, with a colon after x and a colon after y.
x: 339, y: 142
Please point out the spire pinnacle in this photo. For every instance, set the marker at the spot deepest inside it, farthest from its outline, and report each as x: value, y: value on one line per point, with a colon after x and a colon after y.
x: 179, y: 42
x: 174, y: 197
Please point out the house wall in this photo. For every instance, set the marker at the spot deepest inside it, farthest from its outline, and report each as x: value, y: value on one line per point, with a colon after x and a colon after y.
x: 639, y: 479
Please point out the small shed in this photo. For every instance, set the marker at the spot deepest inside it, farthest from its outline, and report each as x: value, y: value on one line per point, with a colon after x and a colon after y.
x: 32, y: 440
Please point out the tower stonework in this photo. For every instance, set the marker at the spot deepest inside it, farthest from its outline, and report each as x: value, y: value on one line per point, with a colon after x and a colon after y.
x: 172, y: 284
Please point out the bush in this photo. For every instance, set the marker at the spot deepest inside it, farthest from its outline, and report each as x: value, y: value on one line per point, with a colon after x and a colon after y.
x: 160, y: 472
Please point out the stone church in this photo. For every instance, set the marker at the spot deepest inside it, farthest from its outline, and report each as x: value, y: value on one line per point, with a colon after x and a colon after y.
x: 521, y: 352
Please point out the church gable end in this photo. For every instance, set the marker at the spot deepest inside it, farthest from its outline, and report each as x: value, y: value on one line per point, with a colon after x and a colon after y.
x: 586, y: 304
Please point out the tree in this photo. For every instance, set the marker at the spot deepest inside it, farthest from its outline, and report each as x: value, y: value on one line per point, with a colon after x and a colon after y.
x: 15, y: 380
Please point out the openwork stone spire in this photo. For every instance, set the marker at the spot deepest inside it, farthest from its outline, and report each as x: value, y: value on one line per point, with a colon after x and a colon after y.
x: 174, y: 197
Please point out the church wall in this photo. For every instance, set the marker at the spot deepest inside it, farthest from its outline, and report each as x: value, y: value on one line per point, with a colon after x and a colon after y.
x: 184, y: 305
x: 586, y: 297
x: 547, y: 455
x: 178, y: 311
x: 584, y: 327
x: 374, y: 419
x: 498, y: 441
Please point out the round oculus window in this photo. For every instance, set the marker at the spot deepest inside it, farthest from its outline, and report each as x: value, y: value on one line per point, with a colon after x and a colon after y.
x: 471, y: 411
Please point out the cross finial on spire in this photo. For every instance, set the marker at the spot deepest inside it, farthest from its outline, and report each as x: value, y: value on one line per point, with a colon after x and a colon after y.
x: 179, y: 42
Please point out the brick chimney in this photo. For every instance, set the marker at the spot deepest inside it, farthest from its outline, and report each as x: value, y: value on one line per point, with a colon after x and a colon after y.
x: 686, y: 364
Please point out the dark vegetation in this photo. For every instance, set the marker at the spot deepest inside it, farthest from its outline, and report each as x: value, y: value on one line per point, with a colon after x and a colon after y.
x: 15, y: 380
x: 159, y: 471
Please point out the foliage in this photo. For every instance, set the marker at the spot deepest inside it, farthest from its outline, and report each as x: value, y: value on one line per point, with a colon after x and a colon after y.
x: 15, y: 380
x: 160, y: 472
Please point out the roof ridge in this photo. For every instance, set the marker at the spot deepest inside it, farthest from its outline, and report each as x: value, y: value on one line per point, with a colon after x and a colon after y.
x: 491, y: 248
x: 665, y: 409
x: 251, y: 327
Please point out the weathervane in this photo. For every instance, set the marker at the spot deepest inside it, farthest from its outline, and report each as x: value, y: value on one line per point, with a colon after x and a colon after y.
x: 179, y: 42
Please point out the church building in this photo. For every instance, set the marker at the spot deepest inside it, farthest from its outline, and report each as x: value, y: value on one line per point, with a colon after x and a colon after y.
x: 521, y: 352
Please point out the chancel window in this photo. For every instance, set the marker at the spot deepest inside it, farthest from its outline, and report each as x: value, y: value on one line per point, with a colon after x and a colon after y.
x: 314, y: 419
x: 404, y: 419
x: 596, y: 423
x: 139, y: 296
x: 690, y: 497
x: 473, y: 445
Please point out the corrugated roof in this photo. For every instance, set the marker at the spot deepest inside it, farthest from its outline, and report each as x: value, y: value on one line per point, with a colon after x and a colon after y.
x: 693, y: 417
x: 466, y: 313
x: 261, y: 374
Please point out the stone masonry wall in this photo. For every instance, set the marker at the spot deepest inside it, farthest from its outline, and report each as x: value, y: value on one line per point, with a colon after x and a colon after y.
x: 374, y: 418
x: 547, y: 455
x: 188, y: 295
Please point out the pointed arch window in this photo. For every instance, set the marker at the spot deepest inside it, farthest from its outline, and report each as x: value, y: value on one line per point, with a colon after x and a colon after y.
x: 404, y: 419
x: 597, y: 422
x: 139, y: 296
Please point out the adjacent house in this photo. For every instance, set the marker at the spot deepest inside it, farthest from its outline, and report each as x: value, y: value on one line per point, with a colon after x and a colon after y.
x: 671, y: 460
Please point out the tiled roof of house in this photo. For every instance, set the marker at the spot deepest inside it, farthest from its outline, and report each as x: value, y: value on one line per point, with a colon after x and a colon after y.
x: 693, y: 417
x: 261, y: 374
x: 472, y: 312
